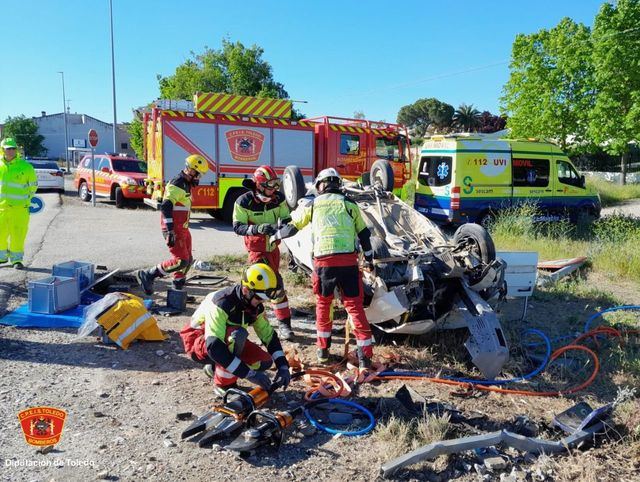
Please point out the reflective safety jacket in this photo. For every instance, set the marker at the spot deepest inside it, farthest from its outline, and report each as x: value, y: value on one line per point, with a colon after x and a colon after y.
x: 226, y: 308
x: 176, y: 204
x: 18, y: 183
x: 336, y: 224
x: 249, y: 211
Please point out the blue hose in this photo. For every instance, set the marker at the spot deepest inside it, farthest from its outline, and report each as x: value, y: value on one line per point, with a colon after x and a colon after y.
x: 532, y: 374
x: 587, y: 325
x: 338, y: 401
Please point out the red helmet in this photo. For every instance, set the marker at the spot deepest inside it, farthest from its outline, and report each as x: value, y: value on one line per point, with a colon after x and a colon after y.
x: 265, y: 177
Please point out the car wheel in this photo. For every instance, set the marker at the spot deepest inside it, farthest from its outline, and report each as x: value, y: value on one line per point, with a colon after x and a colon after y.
x: 83, y: 192
x: 477, y: 239
x: 121, y: 201
x: 382, y: 173
x: 293, y: 186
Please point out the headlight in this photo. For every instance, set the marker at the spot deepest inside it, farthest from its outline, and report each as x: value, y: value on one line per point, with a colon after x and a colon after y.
x: 128, y: 180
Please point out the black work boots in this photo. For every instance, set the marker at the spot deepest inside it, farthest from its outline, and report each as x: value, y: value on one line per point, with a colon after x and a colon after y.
x: 145, y: 278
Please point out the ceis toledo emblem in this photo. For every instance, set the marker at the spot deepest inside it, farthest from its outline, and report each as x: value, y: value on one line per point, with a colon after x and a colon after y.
x: 245, y: 145
x: 42, y: 426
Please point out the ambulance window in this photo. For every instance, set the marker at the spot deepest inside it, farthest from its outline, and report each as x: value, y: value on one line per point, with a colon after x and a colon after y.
x: 349, y: 145
x: 530, y: 172
x: 567, y: 174
x: 435, y: 171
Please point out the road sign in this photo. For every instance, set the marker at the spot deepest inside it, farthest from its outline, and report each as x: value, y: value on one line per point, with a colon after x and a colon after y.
x: 93, y: 137
x: 37, y: 205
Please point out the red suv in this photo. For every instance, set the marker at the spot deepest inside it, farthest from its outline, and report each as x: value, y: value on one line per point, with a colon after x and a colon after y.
x: 117, y: 178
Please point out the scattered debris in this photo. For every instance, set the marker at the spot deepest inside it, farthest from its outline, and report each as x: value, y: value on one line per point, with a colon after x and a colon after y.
x: 168, y: 443
x: 560, y: 268
x: 591, y: 424
x: 184, y: 416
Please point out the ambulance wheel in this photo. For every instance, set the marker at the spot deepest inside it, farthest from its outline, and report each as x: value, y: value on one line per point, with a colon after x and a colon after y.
x: 486, y: 219
x: 293, y: 186
x: 478, y: 240
x: 83, y: 192
x: 382, y: 173
x: 119, y: 197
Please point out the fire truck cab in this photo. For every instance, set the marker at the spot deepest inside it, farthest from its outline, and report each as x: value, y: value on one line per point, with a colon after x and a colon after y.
x: 236, y: 134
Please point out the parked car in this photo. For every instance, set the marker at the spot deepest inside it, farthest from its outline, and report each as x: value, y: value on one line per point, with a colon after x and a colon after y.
x: 49, y: 174
x: 118, y: 178
x: 423, y: 279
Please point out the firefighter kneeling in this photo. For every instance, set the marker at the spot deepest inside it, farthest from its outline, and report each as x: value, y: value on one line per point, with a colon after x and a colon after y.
x: 226, y: 316
x: 337, y: 225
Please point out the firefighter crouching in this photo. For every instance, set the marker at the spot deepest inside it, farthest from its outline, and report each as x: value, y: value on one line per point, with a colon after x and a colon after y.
x: 255, y: 217
x: 225, y: 315
x: 174, y: 219
x: 337, y: 225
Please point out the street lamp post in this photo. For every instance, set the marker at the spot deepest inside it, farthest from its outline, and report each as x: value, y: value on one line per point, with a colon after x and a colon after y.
x: 113, y: 78
x: 66, y: 130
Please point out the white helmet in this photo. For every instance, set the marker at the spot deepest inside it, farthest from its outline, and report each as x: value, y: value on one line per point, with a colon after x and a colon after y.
x: 328, y: 175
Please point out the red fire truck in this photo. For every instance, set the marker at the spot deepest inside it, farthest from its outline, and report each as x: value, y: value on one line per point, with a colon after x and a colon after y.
x: 236, y: 134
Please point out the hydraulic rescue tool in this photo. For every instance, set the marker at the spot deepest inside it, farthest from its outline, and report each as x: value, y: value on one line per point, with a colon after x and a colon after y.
x: 229, y: 416
x: 264, y: 428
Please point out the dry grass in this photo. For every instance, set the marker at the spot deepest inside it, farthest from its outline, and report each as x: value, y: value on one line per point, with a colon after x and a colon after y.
x: 399, y: 436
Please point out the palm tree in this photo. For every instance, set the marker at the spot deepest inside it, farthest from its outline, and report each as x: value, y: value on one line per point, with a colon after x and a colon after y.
x: 466, y: 117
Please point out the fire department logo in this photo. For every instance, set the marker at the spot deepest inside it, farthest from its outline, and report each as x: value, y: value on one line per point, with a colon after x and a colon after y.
x: 245, y: 145
x: 42, y: 426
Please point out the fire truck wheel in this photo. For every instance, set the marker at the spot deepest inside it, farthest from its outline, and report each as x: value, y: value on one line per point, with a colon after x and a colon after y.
x: 215, y: 213
x: 83, y: 192
x: 229, y: 202
x: 478, y: 241
x: 119, y: 197
x: 382, y: 173
x: 293, y: 186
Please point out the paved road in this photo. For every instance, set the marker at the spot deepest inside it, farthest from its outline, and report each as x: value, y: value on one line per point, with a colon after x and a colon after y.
x: 69, y: 229
x: 631, y: 208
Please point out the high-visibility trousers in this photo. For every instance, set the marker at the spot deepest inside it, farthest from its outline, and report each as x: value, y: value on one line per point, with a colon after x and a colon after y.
x: 280, y: 305
x: 14, y: 224
x: 181, y: 258
x: 348, y: 281
x: 251, y: 354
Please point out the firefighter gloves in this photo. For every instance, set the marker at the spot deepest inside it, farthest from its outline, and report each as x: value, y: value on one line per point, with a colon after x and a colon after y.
x: 267, y: 229
x: 260, y: 379
x: 283, y: 377
x: 170, y: 238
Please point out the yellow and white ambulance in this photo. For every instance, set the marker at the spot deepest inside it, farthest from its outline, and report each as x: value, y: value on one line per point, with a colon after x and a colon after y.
x: 471, y: 177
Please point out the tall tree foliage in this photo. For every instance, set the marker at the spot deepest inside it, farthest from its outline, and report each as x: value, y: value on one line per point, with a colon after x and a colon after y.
x: 615, y: 117
x: 550, y: 89
x: 426, y: 115
x: 467, y: 118
x: 234, y: 69
x: 489, y: 122
x: 25, y: 132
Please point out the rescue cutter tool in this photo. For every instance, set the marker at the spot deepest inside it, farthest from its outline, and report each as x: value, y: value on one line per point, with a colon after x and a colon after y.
x: 264, y: 428
x: 228, y: 416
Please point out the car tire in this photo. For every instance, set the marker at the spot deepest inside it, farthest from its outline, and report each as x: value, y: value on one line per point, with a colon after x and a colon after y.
x: 479, y: 237
x: 382, y: 173
x: 229, y: 203
x: 293, y: 186
x: 83, y: 192
x: 118, y: 195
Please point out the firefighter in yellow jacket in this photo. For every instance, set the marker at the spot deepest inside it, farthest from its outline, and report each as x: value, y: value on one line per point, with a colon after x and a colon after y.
x: 18, y: 184
x: 174, y: 220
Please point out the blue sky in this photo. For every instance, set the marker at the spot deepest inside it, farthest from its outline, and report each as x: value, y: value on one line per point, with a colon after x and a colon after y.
x: 339, y: 56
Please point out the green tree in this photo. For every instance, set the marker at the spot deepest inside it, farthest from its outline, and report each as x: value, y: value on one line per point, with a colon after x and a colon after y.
x: 25, y: 131
x: 467, y: 117
x: 426, y: 115
x: 234, y: 69
x: 615, y: 117
x: 136, y: 131
x: 358, y: 114
x: 550, y: 90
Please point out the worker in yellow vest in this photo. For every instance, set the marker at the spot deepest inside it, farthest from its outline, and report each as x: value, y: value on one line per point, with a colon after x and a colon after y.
x: 18, y: 184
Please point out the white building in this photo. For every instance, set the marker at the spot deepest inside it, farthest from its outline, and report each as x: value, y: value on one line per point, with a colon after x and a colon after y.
x: 51, y: 127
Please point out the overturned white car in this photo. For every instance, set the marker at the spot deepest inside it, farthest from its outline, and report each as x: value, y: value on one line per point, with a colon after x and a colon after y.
x: 422, y: 279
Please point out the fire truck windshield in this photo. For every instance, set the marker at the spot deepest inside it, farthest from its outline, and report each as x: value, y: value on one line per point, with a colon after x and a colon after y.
x: 390, y: 148
x: 130, y: 165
